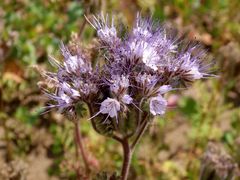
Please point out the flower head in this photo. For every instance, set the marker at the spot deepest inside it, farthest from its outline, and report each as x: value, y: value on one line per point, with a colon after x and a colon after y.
x: 158, y: 105
x: 143, y: 27
x: 118, y: 83
x: 74, y: 64
x: 127, y: 99
x: 164, y: 89
x: 191, y: 65
x: 138, y: 70
x: 146, y: 52
x: 110, y: 106
x: 106, y: 30
x: 64, y: 98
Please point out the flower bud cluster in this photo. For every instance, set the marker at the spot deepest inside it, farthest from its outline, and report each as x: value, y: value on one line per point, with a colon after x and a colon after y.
x: 133, y: 72
x: 74, y: 81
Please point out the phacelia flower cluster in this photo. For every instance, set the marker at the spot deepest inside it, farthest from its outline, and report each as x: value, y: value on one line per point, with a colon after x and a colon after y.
x: 132, y: 73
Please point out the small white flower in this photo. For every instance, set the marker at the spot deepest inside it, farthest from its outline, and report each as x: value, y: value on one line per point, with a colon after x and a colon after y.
x: 107, y: 33
x: 65, y: 98
x: 106, y: 30
x: 191, y: 66
x: 164, y: 89
x: 142, y: 32
x: 158, y: 105
x: 150, y: 57
x: 110, y: 106
x: 195, y: 73
x: 170, y: 45
x: 66, y: 88
x: 73, y: 63
x: 119, y: 82
x: 85, y: 88
x: 127, y: 99
x: 145, y: 51
x: 136, y: 48
x: 146, y: 80
x: 142, y: 27
x: 75, y: 93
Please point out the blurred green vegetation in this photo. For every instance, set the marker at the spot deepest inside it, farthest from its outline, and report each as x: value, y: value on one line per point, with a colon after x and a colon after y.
x: 173, y: 145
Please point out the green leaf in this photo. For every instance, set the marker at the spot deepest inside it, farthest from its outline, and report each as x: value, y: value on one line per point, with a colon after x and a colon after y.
x: 23, y: 114
x: 188, y: 106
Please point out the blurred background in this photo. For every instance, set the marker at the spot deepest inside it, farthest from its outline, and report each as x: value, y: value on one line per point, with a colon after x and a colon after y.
x: 33, y: 144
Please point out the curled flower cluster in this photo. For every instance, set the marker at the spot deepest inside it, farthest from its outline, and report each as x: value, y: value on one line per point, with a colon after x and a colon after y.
x: 125, y: 82
x: 132, y: 75
x: 74, y: 81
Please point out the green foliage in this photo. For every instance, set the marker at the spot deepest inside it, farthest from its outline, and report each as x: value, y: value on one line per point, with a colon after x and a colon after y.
x: 189, y: 108
x: 34, y: 28
x: 23, y: 114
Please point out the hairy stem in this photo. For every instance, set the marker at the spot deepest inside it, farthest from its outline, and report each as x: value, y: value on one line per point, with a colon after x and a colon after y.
x: 127, y: 156
x: 117, y: 138
x: 78, y: 173
x: 128, y: 149
x: 140, y: 134
x: 139, y: 116
x: 80, y: 146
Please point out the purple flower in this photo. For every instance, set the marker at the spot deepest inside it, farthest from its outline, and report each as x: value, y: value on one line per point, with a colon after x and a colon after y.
x: 191, y: 66
x: 66, y: 88
x: 74, y: 64
x: 142, y: 28
x: 65, y: 97
x: 158, y: 105
x: 144, y: 51
x: 106, y: 30
x: 110, y: 106
x: 85, y: 87
x: 126, y: 99
x: 138, y: 69
x: 118, y: 83
x: 164, y: 89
